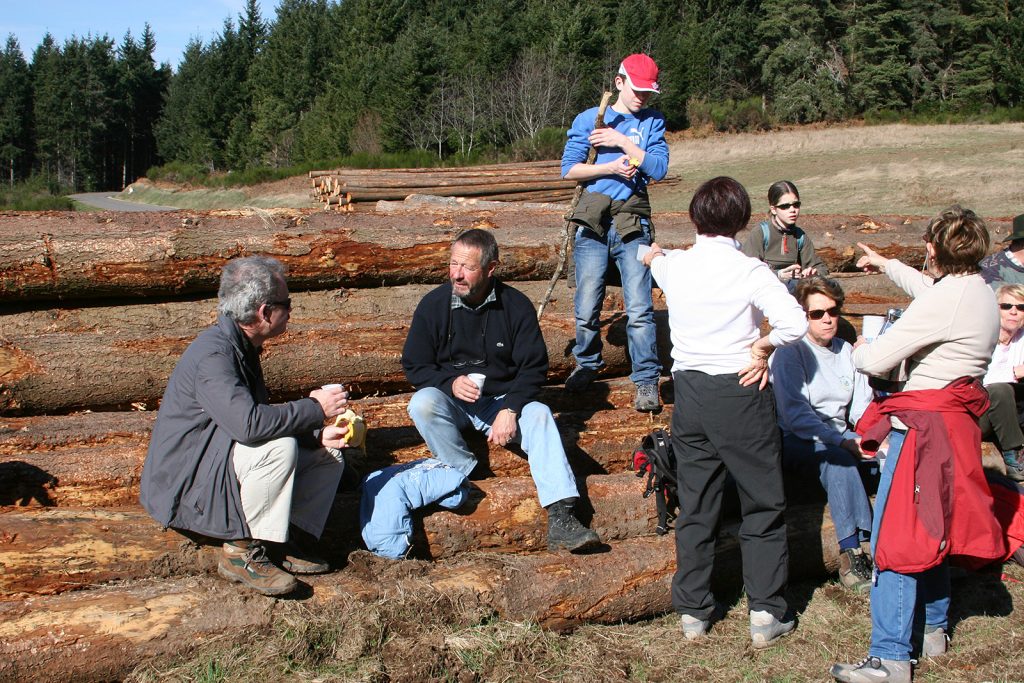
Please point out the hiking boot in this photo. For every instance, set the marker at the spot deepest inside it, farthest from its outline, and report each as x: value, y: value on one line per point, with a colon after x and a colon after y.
x: 935, y: 642
x: 1014, y: 470
x: 694, y: 628
x: 296, y: 560
x: 247, y: 563
x: 580, y: 379
x: 296, y: 555
x: 855, y: 570
x: 647, y: 399
x: 872, y: 670
x: 565, y: 531
x: 765, y: 629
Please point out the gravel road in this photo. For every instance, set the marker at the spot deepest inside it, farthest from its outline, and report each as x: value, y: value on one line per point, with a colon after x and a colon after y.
x: 107, y: 202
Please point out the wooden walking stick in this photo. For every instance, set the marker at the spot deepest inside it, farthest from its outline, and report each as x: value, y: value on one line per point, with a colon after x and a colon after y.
x: 567, y: 237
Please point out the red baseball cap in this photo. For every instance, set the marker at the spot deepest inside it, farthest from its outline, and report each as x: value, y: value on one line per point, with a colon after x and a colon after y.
x: 640, y: 72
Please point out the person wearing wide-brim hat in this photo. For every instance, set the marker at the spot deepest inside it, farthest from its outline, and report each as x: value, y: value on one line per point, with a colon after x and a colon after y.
x: 1007, y: 266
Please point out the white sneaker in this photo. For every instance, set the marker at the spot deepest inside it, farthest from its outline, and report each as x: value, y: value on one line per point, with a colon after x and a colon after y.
x: 694, y: 628
x: 765, y: 629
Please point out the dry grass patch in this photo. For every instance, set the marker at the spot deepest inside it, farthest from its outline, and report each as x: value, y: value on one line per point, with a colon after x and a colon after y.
x: 896, y: 168
x: 413, y: 638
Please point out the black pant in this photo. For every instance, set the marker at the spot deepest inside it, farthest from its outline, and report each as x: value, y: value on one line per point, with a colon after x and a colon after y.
x: 718, y: 425
x: 1001, y: 422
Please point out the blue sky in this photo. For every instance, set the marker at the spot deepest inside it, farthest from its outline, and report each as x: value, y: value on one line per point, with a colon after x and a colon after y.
x: 173, y: 22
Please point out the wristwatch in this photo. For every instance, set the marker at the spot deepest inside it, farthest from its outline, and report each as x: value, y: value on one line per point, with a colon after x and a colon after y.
x: 512, y: 411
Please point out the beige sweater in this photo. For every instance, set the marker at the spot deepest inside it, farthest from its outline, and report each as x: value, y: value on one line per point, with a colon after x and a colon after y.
x: 948, y: 330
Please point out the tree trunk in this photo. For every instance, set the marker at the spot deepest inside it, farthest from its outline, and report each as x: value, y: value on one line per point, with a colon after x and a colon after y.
x: 96, y: 458
x: 57, y: 360
x: 120, y: 626
x: 70, y: 256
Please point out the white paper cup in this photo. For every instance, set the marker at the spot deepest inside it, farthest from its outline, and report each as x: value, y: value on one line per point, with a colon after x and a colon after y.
x: 871, y: 324
x: 478, y: 379
x: 333, y: 387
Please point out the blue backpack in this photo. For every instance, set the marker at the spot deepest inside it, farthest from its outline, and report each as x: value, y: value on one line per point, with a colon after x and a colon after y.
x: 765, y: 234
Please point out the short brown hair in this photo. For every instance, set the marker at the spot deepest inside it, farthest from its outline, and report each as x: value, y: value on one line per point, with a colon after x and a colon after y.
x: 721, y: 206
x: 819, y: 285
x: 960, y: 239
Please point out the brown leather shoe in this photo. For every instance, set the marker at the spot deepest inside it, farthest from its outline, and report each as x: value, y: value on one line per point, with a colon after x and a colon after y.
x: 246, y: 562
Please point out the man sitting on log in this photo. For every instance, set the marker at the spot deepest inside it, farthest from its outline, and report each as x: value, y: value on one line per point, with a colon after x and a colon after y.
x: 223, y: 462
x: 478, y: 329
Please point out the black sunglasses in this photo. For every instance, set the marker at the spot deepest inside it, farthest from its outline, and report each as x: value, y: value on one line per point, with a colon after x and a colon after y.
x: 819, y: 313
x: 795, y: 205
x: 1006, y: 307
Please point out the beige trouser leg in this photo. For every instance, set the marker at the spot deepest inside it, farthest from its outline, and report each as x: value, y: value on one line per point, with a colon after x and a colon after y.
x: 283, y: 483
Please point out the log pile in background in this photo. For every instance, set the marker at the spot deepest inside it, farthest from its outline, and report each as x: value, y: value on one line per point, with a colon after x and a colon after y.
x: 69, y: 514
x: 532, y: 181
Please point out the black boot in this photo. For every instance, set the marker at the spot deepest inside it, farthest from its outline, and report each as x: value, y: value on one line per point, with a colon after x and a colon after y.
x: 565, y: 531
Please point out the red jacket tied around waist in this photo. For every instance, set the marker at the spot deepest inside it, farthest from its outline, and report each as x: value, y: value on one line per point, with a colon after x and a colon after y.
x: 939, y: 503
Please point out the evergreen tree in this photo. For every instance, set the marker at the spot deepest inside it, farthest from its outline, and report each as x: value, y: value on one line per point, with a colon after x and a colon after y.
x: 877, y: 48
x: 1008, y: 55
x: 288, y: 75
x: 803, y: 73
x: 15, y: 110
x: 140, y: 89
x: 252, y: 34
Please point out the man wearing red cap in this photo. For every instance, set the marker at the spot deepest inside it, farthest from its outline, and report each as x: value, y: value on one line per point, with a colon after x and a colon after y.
x: 614, y: 219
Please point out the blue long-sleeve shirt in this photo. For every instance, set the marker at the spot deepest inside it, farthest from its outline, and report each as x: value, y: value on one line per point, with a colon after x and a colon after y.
x: 646, y: 130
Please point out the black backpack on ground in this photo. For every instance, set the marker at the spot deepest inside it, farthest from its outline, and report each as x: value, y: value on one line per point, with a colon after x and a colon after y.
x: 655, y: 460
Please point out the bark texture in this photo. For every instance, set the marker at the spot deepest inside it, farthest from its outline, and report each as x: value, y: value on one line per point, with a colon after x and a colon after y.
x: 65, y: 255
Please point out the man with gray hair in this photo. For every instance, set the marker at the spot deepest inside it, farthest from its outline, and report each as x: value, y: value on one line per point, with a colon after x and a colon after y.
x: 224, y: 462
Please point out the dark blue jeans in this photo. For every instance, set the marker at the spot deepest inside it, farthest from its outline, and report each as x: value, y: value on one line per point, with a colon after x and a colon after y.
x: 838, y: 473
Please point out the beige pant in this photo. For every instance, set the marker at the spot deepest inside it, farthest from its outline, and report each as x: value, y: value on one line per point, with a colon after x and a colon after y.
x: 283, y: 483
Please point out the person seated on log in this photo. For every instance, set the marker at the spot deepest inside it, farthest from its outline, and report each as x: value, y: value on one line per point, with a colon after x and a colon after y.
x: 1006, y: 266
x: 224, y: 462
x: 614, y: 219
x: 820, y: 396
x: 780, y: 242
x: 724, y: 420
x: 1001, y: 423
x: 476, y: 325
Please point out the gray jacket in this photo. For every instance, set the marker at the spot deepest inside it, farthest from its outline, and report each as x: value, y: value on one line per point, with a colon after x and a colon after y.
x: 216, y: 397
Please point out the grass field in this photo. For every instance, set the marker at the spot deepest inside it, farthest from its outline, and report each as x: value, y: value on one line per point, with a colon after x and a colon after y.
x: 890, y: 169
x: 893, y: 169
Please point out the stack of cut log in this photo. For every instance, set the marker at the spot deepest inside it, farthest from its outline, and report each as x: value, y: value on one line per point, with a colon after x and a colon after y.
x: 534, y: 181
x: 96, y: 310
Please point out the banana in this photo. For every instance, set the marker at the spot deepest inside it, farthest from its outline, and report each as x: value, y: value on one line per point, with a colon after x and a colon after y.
x: 356, y: 436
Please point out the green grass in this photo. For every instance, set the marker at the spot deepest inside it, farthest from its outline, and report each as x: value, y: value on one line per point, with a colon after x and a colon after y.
x: 34, y: 194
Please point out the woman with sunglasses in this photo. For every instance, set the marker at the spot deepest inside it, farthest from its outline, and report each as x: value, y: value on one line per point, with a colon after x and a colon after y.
x: 819, y: 396
x: 1001, y: 422
x: 780, y: 242
x: 933, y: 499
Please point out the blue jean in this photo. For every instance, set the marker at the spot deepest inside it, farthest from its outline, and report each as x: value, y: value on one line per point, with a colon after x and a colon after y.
x: 440, y: 419
x: 590, y: 253
x: 894, y: 596
x: 839, y: 476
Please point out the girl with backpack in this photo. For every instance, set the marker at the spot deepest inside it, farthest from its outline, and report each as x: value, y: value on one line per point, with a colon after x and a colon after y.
x: 780, y: 242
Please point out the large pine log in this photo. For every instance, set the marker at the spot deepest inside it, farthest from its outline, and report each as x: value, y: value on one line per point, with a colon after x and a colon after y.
x: 122, y: 625
x: 107, y: 357
x: 51, y: 550
x: 96, y: 458
x: 60, y: 255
